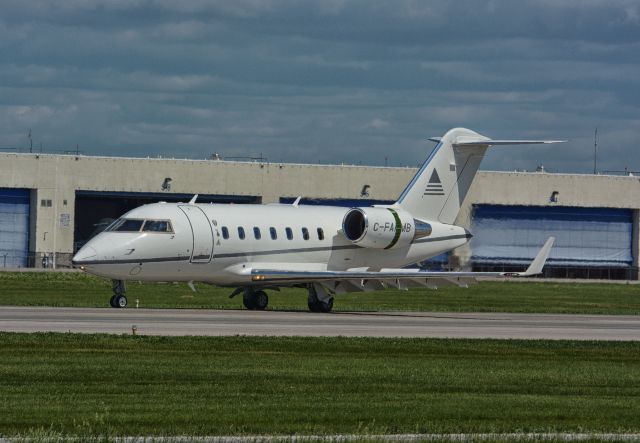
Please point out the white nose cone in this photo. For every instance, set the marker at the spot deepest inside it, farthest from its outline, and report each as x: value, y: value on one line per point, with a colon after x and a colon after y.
x: 84, y: 254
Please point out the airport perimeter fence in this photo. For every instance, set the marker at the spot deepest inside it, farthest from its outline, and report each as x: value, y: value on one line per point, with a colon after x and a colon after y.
x: 34, y: 260
x: 569, y: 272
x: 62, y: 261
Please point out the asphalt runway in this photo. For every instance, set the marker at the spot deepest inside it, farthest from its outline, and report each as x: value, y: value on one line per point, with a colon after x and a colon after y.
x: 278, y: 323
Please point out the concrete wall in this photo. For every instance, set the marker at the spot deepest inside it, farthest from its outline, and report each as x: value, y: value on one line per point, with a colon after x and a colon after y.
x: 57, y: 177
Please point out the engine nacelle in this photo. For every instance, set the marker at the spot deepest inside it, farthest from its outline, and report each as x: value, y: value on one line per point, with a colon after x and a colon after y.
x: 382, y: 228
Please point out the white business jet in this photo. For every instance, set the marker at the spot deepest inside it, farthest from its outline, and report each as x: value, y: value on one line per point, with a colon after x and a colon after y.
x: 327, y: 250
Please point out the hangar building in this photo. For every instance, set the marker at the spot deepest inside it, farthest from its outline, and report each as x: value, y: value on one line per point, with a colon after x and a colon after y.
x: 51, y: 204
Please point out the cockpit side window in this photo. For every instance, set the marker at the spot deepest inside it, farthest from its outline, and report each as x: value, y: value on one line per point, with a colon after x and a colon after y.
x: 127, y: 225
x: 157, y: 226
x: 112, y: 224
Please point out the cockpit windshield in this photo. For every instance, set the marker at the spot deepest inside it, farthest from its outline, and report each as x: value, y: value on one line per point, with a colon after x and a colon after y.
x: 137, y: 225
x: 157, y: 226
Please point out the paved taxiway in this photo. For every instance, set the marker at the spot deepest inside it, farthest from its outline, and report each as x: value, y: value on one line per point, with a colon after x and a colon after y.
x: 278, y: 323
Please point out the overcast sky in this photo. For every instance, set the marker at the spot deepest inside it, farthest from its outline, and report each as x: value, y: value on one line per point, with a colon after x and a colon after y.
x: 327, y: 81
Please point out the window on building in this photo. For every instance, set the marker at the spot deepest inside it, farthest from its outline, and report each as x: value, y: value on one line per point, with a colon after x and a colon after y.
x: 240, y: 232
x: 256, y: 233
x: 289, y: 233
x: 320, y: 234
x: 225, y: 233
x: 305, y: 233
x: 274, y: 233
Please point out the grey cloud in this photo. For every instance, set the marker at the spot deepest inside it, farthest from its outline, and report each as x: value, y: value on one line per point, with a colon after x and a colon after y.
x: 331, y: 81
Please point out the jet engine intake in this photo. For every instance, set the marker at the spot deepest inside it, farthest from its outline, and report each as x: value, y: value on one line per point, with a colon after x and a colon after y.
x: 382, y: 228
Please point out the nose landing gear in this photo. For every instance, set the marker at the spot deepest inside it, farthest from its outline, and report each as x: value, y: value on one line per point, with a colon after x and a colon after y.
x: 119, y: 298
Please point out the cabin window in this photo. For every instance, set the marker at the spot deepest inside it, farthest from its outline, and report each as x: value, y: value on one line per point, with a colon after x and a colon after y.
x: 289, y: 233
x: 320, y: 234
x: 127, y: 225
x: 157, y: 226
x: 256, y: 233
x: 274, y: 233
x: 240, y: 232
x: 305, y: 233
x: 225, y: 233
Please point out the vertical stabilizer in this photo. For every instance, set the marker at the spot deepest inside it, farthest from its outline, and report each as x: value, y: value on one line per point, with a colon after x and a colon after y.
x: 440, y: 186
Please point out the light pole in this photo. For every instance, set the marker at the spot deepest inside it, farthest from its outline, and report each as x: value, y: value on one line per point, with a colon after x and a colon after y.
x: 595, y: 151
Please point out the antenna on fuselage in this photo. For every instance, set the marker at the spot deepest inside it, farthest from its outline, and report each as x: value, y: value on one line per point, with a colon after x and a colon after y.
x: 193, y: 199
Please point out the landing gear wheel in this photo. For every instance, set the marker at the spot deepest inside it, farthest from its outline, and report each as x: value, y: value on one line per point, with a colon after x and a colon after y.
x: 261, y: 300
x: 321, y: 306
x: 120, y: 301
x: 255, y: 301
x: 247, y: 300
x: 319, y: 300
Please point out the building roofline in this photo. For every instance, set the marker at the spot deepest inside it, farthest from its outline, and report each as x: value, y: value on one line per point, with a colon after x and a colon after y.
x: 319, y: 165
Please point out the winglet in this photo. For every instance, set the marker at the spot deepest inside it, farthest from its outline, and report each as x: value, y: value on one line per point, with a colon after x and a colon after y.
x: 537, y: 264
x: 295, y: 203
x: 193, y: 199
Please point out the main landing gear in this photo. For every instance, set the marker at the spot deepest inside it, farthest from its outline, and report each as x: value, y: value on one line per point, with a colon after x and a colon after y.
x: 119, y: 298
x: 255, y: 300
x: 319, y: 299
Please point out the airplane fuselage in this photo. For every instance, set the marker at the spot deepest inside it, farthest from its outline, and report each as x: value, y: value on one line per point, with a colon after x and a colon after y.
x: 221, y: 243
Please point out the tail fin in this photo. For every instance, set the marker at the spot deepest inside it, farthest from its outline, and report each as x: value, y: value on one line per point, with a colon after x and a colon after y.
x: 440, y: 186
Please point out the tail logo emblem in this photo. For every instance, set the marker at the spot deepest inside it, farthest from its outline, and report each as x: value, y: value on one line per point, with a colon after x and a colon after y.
x: 434, y: 187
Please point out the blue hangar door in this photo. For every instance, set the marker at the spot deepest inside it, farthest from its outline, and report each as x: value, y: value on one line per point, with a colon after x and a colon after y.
x: 14, y: 227
x: 585, y: 237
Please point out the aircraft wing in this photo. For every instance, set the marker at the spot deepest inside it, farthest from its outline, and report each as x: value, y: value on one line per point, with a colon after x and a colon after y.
x: 400, y: 278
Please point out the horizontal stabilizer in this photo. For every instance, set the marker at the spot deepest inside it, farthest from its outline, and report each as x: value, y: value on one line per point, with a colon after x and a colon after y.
x: 489, y: 142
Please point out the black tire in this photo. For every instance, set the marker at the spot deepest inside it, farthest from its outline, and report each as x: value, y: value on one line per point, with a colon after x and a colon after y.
x: 255, y: 301
x: 112, y: 301
x: 326, y: 306
x: 321, y: 306
x: 121, y: 301
x: 314, y: 306
x: 248, y: 301
x: 260, y: 300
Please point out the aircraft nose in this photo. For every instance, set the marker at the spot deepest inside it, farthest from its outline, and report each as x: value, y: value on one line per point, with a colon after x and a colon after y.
x: 84, y: 254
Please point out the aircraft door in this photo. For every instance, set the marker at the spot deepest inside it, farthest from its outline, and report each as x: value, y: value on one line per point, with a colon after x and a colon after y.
x: 202, y: 234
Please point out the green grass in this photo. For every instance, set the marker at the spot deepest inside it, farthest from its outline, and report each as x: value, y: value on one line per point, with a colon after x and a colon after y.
x: 126, y: 385
x: 75, y: 289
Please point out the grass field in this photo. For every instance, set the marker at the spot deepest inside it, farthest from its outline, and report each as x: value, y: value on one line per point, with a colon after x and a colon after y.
x: 126, y: 385
x: 75, y: 289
